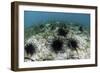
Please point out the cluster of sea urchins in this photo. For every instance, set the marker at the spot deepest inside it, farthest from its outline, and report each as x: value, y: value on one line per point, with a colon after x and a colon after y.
x: 58, y: 43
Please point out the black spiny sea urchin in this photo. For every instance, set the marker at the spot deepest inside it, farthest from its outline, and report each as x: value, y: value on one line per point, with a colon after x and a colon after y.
x: 57, y: 45
x: 30, y: 49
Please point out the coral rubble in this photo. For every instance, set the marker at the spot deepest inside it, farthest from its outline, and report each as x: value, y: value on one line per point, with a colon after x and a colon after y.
x: 57, y: 41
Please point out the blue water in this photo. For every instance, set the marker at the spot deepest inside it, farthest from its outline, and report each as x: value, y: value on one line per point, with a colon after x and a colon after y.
x: 37, y: 17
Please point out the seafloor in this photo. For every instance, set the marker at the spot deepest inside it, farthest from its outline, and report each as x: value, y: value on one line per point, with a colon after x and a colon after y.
x: 56, y: 41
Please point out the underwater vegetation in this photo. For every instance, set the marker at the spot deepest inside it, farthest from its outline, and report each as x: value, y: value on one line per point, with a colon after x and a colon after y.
x: 56, y: 41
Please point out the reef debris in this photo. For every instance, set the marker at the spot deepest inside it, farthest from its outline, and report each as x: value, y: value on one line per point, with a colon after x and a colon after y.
x: 57, y: 41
